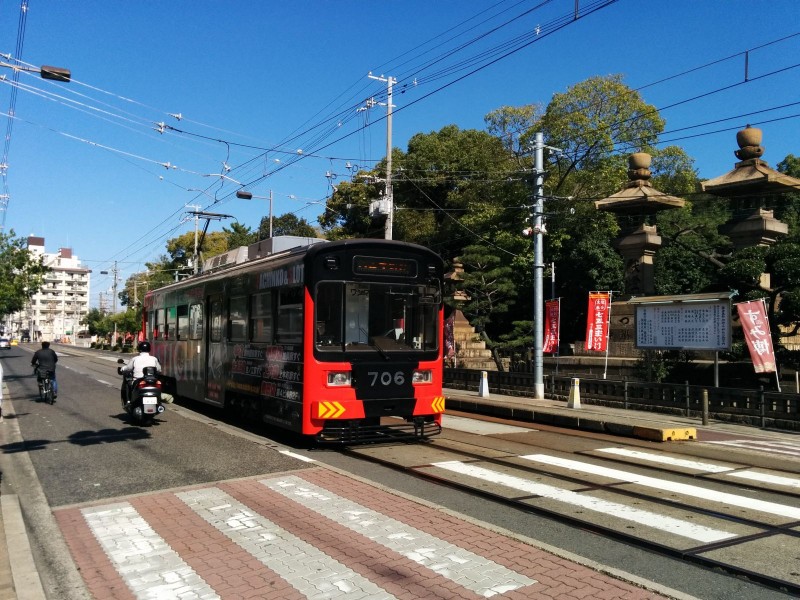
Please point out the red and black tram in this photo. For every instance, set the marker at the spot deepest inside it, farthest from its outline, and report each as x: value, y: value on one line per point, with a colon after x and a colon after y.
x: 337, y: 340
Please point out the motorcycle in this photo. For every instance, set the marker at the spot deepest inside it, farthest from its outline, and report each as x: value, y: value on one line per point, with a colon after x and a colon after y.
x: 141, y: 398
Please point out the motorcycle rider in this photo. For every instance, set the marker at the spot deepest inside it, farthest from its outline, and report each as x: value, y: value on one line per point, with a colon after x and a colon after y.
x: 144, y: 359
x: 45, y: 359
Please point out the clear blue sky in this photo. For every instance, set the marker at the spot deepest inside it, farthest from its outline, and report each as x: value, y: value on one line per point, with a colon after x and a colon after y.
x: 85, y: 160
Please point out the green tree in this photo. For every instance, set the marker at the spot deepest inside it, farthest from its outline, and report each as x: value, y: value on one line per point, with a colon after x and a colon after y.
x: 181, y: 248
x: 21, y: 274
x: 94, y: 321
x: 595, y: 124
x: 287, y: 224
x: 489, y: 284
x: 239, y: 235
x: 790, y: 165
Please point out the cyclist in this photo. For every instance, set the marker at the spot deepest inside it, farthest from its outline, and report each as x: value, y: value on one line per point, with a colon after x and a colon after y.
x: 45, y: 359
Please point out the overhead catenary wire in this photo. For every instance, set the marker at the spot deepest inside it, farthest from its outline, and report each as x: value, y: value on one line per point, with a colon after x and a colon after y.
x: 294, y: 159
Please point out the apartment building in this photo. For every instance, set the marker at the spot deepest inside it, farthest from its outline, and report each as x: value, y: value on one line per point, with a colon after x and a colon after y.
x: 55, y: 312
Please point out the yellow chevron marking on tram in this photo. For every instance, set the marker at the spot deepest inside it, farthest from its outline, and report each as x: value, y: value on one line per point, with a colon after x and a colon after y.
x: 437, y: 405
x: 330, y: 410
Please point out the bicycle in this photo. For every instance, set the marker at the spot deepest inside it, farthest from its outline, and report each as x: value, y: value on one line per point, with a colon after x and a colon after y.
x: 45, y: 381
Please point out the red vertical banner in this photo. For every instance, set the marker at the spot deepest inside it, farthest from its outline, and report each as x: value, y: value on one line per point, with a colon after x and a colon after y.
x: 552, y: 310
x: 597, y: 321
x: 755, y: 326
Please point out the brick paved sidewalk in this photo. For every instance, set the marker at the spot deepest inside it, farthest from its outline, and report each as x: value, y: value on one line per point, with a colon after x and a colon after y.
x: 311, y: 533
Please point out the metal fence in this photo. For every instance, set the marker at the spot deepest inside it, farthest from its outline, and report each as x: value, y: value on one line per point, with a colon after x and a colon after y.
x: 755, y: 407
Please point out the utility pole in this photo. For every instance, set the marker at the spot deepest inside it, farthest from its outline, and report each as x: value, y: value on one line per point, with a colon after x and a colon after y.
x: 387, y: 228
x: 114, y: 288
x: 538, y: 268
x: 196, y: 208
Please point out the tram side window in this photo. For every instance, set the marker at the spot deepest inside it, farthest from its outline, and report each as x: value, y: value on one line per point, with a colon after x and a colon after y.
x: 183, y: 322
x: 237, y: 317
x: 261, y: 326
x: 196, y: 321
x: 216, y: 321
x: 290, y: 315
x: 171, y: 328
x: 328, y: 317
x: 159, y: 330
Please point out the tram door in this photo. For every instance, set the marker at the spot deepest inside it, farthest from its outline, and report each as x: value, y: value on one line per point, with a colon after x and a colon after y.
x: 215, y: 351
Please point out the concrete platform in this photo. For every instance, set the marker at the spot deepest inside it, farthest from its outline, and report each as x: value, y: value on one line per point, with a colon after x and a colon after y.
x: 600, y: 419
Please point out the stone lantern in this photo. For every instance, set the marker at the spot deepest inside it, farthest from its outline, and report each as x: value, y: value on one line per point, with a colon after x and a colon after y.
x: 638, y: 243
x: 750, y: 187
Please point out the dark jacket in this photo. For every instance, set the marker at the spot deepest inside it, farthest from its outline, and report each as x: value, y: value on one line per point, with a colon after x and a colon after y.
x: 46, y: 358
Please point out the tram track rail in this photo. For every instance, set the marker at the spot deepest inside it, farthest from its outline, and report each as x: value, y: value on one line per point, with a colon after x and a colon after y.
x: 693, y: 555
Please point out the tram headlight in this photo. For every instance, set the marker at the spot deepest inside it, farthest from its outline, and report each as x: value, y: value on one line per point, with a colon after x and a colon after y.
x: 420, y: 376
x: 339, y: 378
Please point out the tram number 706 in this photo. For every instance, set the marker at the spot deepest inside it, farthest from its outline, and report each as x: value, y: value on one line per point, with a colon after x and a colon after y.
x: 386, y: 378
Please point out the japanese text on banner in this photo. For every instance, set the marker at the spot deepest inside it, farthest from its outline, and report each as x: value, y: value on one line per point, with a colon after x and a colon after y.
x: 757, y: 335
x: 551, y: 326
x: 597, y: 321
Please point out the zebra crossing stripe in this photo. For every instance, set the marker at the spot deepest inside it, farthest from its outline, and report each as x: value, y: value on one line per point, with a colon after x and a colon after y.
x: 671, y: 525
x: 767, y: 478
x: 469, y: 570
x: 773, y: 447
x: 142, y: 558
x: 315, y: 575
x: 695, y: 491
x: 666, y: 460
x: 780, y: 480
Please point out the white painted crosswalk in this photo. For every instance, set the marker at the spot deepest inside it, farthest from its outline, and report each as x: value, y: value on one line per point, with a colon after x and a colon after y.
x: 153, y: 562
x: 150, y: 567
x: 692, y: 491
x: 278, y: 549
x: 706, y: 467
x: 466, y: 568
x: 619, y: 510
x: 651, y: 515
x: 783, y: 448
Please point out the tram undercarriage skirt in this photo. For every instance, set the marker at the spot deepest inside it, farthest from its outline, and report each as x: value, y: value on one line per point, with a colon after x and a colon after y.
x: 359, y: 431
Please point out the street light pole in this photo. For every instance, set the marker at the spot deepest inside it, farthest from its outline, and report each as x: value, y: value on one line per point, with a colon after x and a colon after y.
x: 245, y: 195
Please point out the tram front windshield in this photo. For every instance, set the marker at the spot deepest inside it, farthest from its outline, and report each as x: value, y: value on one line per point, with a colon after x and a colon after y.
x: 376, y: 316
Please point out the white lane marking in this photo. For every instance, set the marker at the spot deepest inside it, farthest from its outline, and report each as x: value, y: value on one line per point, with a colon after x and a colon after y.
x: 666, y: 460
x: 150, y: 568
x: 480, y: 427
x: 306, y: 568
x: 703, y: 466
x: 695, y: 491
x: 297, y: 456
x: 470, y: 570
x: 109, y: 358
x: 671, y: 525
x: 105, y: 382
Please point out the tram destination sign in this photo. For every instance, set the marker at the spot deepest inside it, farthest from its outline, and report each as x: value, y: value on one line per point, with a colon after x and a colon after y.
x: 683, y: 325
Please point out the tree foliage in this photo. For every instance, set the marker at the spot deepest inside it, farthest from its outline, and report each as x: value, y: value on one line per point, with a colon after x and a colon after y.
x: 21, y: 274
x: 286, y: 224
x: 239, y: 235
